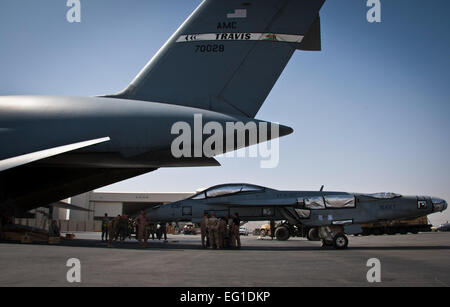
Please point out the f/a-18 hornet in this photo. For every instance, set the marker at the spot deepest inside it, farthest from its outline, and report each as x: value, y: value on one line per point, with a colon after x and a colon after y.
x: 221, y: 64
x: 329, y: 215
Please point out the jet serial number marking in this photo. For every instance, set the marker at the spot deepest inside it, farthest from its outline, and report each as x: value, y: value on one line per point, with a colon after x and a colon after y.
x: 210, y: 48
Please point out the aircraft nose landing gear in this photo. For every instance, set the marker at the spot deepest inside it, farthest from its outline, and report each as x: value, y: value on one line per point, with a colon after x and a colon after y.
x: 333, y: 237
x: 340, y: 241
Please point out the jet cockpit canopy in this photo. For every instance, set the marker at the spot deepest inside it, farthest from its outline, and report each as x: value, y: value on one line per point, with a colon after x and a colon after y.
x: 227, y: 189
x: 384, y: 195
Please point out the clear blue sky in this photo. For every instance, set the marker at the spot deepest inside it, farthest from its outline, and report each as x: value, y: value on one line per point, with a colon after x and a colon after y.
x: 370, y: 111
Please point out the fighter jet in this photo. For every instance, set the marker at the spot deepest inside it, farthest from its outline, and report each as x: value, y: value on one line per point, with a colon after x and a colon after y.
x: 330, y: 216
x: 220, y: 66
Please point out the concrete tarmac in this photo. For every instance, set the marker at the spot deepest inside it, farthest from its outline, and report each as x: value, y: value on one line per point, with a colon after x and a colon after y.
x: 406, y: 260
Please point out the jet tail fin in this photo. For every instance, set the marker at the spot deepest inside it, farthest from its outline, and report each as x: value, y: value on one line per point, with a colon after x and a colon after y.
x: 312, y: 40
x: 227, y: 55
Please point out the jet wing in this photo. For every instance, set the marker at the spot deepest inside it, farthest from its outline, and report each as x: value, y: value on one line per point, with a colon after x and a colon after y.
x: 42, y: 154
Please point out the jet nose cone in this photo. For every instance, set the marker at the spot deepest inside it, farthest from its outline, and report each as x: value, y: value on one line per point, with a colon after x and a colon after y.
x: 439, y: 205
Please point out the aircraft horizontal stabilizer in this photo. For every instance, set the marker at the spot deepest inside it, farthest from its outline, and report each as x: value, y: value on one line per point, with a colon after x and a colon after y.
x: 42, y: 154
x: 64, y: 205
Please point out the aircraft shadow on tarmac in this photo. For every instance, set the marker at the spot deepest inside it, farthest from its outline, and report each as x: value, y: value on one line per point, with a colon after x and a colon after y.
x: 176, y: 245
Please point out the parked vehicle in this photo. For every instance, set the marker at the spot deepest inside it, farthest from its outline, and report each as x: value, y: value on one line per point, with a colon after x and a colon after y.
x: 243, y: 231
x: 401, y: 226
x: 263, y: 231
x: 189, y: 229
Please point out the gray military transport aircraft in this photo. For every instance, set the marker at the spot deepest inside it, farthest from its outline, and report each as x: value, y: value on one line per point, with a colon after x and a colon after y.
x: 329, y: 215
x: 221, y: 63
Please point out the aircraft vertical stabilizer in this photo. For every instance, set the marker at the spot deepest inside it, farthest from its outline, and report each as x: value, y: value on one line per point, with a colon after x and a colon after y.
x: 227, y: 55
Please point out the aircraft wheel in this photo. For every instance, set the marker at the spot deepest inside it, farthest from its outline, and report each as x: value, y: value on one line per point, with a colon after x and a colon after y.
x: 308, y: 236
x: 282, y: 233
x: 313, y: 235
x: 340, y: 241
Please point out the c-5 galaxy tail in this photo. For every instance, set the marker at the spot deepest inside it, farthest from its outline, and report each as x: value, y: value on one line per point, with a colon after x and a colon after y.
x: 228, y: 54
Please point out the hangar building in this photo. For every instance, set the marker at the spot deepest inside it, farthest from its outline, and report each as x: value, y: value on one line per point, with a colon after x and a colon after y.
x: 118, y: 203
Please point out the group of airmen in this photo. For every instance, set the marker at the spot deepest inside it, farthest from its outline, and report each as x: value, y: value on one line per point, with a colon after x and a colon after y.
x: 122, y: 227
x: 215, y: 233
x: 118, y: 228
x: 220, y: 233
